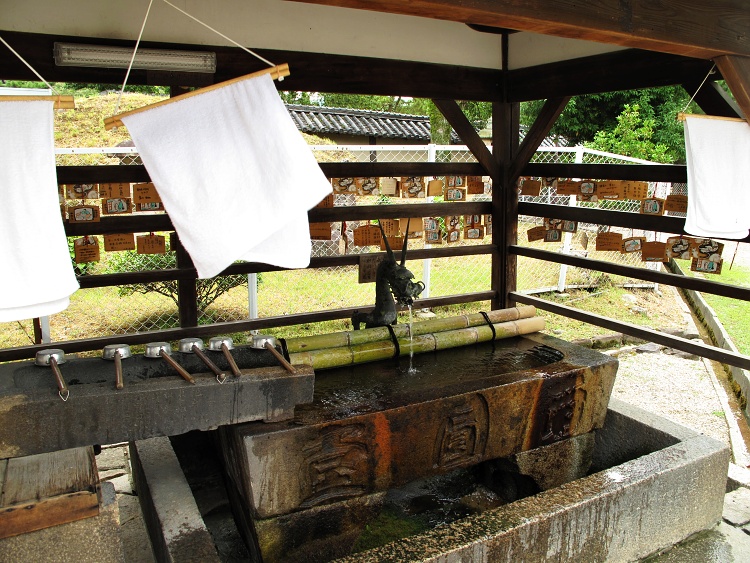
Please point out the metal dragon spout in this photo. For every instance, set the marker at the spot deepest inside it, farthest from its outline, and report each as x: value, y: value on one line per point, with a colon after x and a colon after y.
x: 393, y: 284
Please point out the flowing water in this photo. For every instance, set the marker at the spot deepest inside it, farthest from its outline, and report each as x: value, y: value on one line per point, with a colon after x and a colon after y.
x: 412, y: 369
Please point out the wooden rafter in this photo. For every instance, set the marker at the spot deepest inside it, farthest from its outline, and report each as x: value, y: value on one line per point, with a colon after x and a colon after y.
x: 694, y: 28
x: 736, y: 71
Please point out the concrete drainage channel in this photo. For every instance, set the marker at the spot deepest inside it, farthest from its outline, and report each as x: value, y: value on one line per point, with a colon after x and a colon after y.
x: 654, y: 483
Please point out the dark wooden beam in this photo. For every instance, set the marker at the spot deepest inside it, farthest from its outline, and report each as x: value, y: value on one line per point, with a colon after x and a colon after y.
x: 647, y: 334
x: 622, y: 70
x: 736, y: 71
x: 684, y: 27
x: 537, y: 133
x: 713, y: 99
x: 310, y: 72
x: 466, y: 132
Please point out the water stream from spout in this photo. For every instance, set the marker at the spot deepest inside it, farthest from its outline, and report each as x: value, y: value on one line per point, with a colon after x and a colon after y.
x: 412, y: 369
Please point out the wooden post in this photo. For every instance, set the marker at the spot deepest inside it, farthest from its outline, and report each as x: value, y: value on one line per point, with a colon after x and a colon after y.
x: 187, y: 289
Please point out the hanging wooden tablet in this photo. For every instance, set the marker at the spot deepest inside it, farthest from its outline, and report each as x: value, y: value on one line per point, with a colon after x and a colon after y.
x: 145, y: 193
x: 431, y: 224
x: 86, y: 249
x: 435, y: 187
x: 636, y: 190
x: 552, y: 224
x: 552, y: 235
x: 473, y: 233
x: 610, y: 189
x: 568, y: 187
x: 452, y: 237
x: 116, y: 206
x: 549, y: 182
x: 389, y: 186
x: 679, y: 247
x: 415, y: 227
x: 609, y: 241
x: 474, y: 185
x: 536, y: 233
x: 433, y: 237
x: 706, y: 249
x: 488, y: 224
x: 652, y: 206
x: 530, y: 187
x: 654, y: 251
x: 676, y: 203
x: 150, y: 206
x: 367, y: 186
x: 151, y: 244
x: 706, y: 266
x: 632, y: 244
x: 584, y: 240
x: 412, y: 186
x: 569, y: 226
x: 344, y: 185
x: 367, y: 235
x: 456, y: 181
x: 83, y: 214
x: 472, y: 220
x: 452, y: 222
x: 82, y: 191
x: 394, y: 241
x: 588, y: 191
x: 320, y: 231
x: 390, y: 227
x: 455, y: 194
x: 119, y: 242
x: 117, y: 189
x: 368, y: 267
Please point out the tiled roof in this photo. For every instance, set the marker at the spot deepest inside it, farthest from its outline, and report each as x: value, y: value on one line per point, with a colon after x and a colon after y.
x: 342, y: 121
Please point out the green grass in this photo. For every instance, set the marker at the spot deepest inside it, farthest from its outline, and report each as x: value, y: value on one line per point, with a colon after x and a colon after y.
x: 734, y: 315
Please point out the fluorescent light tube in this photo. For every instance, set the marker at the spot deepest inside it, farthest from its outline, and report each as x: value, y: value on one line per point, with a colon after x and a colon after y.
x: 104, y: 56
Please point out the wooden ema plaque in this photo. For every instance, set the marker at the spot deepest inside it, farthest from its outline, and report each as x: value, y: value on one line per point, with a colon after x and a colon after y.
x: 119, y: 242
x: 412, y: 186
x: 82, y: 191
x: 344, y: 185
x: 151, y: 244
x: 536, y: 233
x: 654, y: 251
x: 472, y: 220
x: 389, y: 186
x: 455, y: 194
x: 632, y: 244
x: 320, y: 231
x: 679, y: 247
x: 530, y: 187
x: 368, y: 267
x: 609, y: 242
x: 652, y: 206
x: 110, y: 190
x: 568, y: 187
x: 86, y: 249
x: 452, y: 236
x: 367, y: 186
x: 415, y: 226
x: 149, y: 206
x: 145, y: 193
x: 706, y: 249
x: 676, y: 203
x: 474, y: 233
x: 431, y: 224
x: 367, y: 235
x: 488, y: 224
x: 83, y: 214
x: 474, y: 185
x: 552, y: 235
x: 610, y: 189
x: 636, y: 190
x: 395, y: 242
x: 569, y: 226
x: 452, y: 222
x: 390, y: 227
x: 433, y: 237
x: 116, y: 206
x: 706, y: 266
x: 552, y: 224
x: 435, y: 188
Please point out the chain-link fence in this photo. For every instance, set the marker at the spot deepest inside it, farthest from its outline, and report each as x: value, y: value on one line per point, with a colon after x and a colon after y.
x: 126, y: 309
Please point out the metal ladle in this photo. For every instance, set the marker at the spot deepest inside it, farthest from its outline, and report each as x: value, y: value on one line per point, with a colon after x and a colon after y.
x: 163, y: 350
x: 53, y: 357
x: 268, y: 342
x: 225, y: 344
x: 195, y: 346
x: 117, y: 353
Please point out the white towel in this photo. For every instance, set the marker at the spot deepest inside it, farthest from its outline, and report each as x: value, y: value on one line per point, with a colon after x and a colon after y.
x: 234, y: 173
x: 36, y: 273
x: 718, y: 169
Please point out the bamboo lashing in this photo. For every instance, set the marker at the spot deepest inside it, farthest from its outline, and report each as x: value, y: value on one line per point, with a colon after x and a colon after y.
x: 60, y: 102
x: 276, y: 72
x: 682, y: 116
x: 374, y: 344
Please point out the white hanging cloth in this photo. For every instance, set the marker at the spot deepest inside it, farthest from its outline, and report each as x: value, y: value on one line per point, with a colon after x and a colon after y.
x: 718, y: 169
x: 36, y: 272
x: 234, y: 173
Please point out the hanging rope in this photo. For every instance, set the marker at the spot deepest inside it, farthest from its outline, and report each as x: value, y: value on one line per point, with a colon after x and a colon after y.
x: 132, y: 58
x: 690, y: 101
x: 12, y: 50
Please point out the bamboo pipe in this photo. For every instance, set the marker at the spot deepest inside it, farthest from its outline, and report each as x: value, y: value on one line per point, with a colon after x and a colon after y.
x: 323, y: 358
x: 430, y: 326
